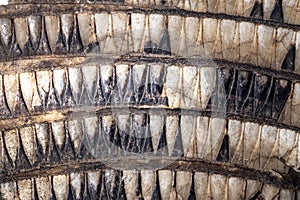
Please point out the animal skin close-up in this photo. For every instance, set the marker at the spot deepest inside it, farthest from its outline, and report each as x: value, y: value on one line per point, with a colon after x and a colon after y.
x: 150, y: 99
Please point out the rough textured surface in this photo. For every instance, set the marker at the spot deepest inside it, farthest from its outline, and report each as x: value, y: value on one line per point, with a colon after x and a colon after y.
x: 174, y: 99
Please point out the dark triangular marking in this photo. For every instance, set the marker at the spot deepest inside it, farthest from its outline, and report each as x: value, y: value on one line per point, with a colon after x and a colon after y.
x: 281, y: 95
x: 257, y: 11
x: 163, y: 101
x: 115, y: 137
x: 90, y: 191
x: 289, y: 60
x: 115, y: 141
x: 164, y: 46
x: 20, y: 106
x: 74, y: 192
x: 67, y: 99
x: 243, y: 87
x: 277, y: 14
x: 210, y: 105
x: 28, y: 49
x: 93, y: 48
x: 150, y: 47
x: 156, y: 192
x: 260, y: 90
x: 267, y: 109
x: 146, y: 96
x: 162, y: 144
x: 11, y: 48
x: 60, y: 96
x: 35, y: 44
x: 68, y: 152
x: 38, y: 153
x: 44, y: 47
x: 86, y: 193
x: 247, y: 106
x: 3, y: 54
x: 129, y: 96
x: 84, y: 153
x: 51, y: 100
x: 76, y: 44
x: 70, y: 195
x: 35, y: 193
x: 60, y: 45
x: 3, y: 103
x: 52, y: 193
x: 22, y: 160
x: 6, y: 158
x: 14, y: 49
x: 99, y: 98
x: 192, y: 195
x: 53, y: 152
x: 64, y: 151
x: 84, y: 99
x: 178, y: 146
x: 223, y: 155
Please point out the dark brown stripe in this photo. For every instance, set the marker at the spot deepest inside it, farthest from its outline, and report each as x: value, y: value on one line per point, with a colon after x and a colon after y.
x: 41, y: 63
x: 64, y: 8
x: 287, y: 181
x: 88, y: 111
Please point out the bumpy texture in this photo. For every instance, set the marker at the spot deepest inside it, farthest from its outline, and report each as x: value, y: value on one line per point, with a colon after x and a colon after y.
x: 150, y: 99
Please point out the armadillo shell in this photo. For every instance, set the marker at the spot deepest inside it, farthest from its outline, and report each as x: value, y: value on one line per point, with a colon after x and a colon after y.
x: 150, y: 99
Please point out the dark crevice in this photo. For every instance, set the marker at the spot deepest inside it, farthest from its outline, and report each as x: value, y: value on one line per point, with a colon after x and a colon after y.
x: 256, y: 196
x: 192, y: 195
